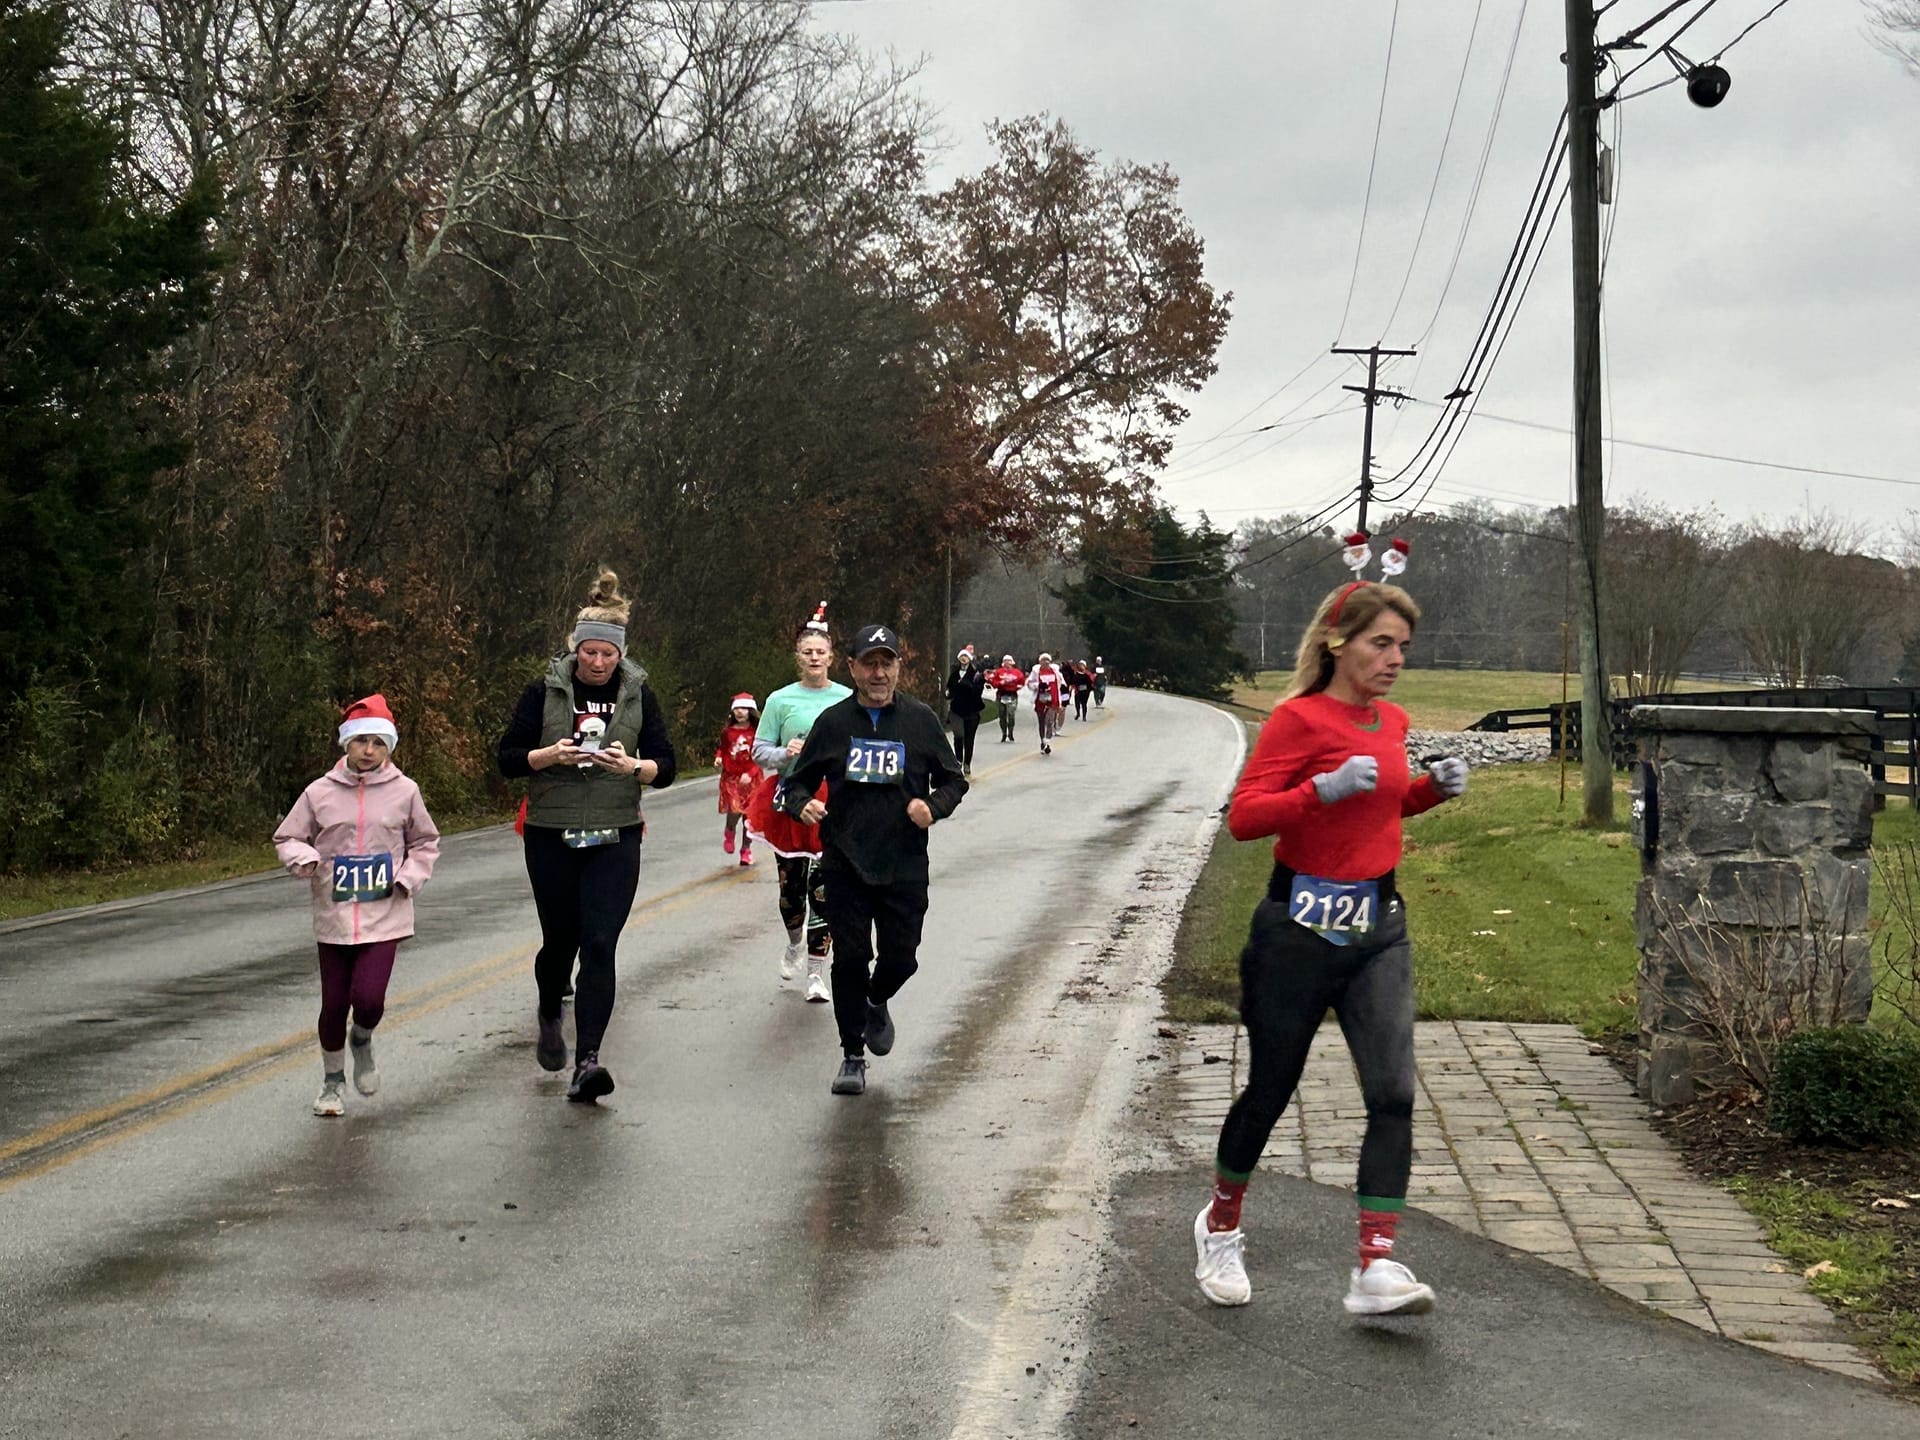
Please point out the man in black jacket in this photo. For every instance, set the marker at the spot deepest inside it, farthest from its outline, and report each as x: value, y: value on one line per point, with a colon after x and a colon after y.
x: 890, y: 775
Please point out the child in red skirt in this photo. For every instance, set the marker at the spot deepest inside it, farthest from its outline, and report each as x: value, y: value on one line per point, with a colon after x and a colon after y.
x: 738, y: 772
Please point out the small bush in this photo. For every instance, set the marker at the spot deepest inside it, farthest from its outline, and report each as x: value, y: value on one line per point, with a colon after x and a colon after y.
x: 1850, y: 1085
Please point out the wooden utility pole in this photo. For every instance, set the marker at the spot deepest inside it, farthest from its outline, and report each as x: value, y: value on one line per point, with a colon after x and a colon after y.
x: 1590, y: 519
x: 1374, y: 394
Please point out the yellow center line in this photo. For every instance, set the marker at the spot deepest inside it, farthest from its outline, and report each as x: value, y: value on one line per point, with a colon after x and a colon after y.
x: 186, y: 1093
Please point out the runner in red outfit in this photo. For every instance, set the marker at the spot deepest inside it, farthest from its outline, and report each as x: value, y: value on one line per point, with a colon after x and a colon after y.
x: 1329, y: 781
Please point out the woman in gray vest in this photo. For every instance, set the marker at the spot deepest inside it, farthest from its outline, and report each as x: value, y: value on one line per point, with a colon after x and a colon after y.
x: 590, y: 738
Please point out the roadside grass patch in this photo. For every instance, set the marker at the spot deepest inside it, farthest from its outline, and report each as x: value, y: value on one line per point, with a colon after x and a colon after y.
x: 1847, y: 1260
x: 1450, y: 699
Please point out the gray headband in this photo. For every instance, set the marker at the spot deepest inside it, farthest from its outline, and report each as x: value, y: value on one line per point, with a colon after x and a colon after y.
x: 614, y: 635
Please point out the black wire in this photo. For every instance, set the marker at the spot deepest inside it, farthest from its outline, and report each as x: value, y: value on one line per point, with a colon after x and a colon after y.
x: 1503, y: 296
x: 1372, y: 160
x: 1657, y: 51
x: 1439, y: 166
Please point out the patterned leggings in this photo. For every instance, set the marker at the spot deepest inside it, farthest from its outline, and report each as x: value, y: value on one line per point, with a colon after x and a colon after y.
x: 799, y: 883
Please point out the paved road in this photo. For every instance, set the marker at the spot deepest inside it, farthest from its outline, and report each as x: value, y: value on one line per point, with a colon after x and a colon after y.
x: 722, y: 1249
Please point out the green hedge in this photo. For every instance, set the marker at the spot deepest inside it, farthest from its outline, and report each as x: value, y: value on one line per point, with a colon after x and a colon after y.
x: 1851, y: 1086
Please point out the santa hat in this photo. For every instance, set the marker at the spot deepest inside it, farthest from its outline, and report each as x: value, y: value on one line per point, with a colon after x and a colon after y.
x: 1393, y: 560
x: 744, y: 701
x: 369, y: 717
x: 818, y: 623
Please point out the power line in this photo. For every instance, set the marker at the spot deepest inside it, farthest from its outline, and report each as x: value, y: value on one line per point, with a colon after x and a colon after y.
x: 1701, y: 454
x: 1614, y: 97
x: 1439, y: 166
x: 1373, y: 160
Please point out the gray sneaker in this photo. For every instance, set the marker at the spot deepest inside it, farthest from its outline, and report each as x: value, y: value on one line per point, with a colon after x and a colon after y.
x: 551, y: 1049
x: 366, y: 1079
x: 852, y: 1079
x: 591, y: 1080
x: 879, y: 1029
x: 332, y: 1099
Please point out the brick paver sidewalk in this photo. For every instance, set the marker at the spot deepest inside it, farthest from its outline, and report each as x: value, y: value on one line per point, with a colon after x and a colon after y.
x: 1526, y: 1135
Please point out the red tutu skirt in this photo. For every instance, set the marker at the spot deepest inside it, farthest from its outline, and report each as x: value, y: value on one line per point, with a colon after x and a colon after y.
x: 778, y: 830
x: 736, y: 791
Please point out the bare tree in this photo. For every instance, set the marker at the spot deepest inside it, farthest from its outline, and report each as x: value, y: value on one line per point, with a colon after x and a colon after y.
x: 1799, y: 606
x: 1666, y: 582
x: 1897, y: 23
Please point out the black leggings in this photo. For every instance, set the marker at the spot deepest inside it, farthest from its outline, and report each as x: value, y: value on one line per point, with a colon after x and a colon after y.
x: 877, y: 926
x: 799, y: 884
x: 1080, y: 698
x: 964, y: 727
x: 583, y: 898
x: 1289, y: 976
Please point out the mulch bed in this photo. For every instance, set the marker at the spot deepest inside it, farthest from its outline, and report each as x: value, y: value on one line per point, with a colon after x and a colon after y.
x: 1726, y: 1138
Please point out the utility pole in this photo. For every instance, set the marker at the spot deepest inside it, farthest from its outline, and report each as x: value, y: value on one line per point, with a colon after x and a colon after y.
x: 1590, y: 520
x: 1374, y: 394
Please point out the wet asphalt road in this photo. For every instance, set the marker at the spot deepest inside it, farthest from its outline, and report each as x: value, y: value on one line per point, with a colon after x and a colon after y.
x: 720, y: 1249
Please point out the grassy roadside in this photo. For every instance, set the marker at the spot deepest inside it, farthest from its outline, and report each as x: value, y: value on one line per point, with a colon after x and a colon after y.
x: 1449, y: 699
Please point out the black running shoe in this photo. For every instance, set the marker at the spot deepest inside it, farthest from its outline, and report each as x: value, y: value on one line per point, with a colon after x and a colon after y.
x: 591, y: 1080
x: 879, y: 1029
x: 852, y: 1079
x: 551, y: 1048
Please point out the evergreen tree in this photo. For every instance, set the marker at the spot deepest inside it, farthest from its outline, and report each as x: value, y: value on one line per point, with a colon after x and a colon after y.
x: 1156, y: 603
x: 93, y: 290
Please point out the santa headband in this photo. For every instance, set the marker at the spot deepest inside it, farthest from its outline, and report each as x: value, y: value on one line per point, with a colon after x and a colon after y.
x: 1359, y: 554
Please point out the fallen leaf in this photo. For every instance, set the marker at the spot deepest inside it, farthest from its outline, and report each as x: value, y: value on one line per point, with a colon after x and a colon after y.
x: 1486, y: 932
x: 1775, y: 1269
x: 1888, y: 1202
x: 1825, y: 1267
x: 1503, y: 912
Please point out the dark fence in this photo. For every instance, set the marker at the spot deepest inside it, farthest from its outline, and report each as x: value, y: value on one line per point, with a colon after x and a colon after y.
x: 1896, y: 750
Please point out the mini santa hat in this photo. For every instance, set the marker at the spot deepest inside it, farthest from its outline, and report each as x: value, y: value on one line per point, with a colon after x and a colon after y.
x: 743, y: 701
x: 1358, y: 554
x: 1393, y: 560
x: 819, y: 621
x: 369, y: 717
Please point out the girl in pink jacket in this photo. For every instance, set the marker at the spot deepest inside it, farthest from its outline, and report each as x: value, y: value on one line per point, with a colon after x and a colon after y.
x: 362, y: 836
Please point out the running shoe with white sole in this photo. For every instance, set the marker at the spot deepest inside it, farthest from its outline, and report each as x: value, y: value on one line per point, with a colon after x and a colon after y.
x: 1221, y: 1265
x: 366, y: 1079
x: 790, y: 959
x: 852, y: 1079
x: 1386, y: 1287
x: 591, y: 1080
x: 332, y: 1099
x: 551, y: 1048
x: 818, y: 990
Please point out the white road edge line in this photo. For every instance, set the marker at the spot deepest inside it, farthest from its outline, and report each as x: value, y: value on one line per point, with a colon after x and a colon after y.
x: 1036, y: 1353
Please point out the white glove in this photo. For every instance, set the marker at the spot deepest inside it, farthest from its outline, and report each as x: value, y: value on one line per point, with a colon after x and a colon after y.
x: 1449, y: 777
x: 1357, y: 774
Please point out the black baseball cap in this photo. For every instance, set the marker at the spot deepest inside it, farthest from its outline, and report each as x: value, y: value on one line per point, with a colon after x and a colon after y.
x: 869, y: 638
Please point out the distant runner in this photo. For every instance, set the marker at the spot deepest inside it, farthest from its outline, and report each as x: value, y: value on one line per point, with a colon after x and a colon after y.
x: 890, y: 774
x: 1328, y: 778
x: 964, y: 704
x: 362, y: 835
x: 1007, y: 680
x: 733, y: 758
x: 1099, y: 683
x: 1049, y: 685
x: 790, y: 713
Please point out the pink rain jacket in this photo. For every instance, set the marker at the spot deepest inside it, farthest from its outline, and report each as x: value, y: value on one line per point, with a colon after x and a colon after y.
x: 344, y: 813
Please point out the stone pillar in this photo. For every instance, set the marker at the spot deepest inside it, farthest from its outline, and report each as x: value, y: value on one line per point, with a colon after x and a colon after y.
x: 1753, y: 826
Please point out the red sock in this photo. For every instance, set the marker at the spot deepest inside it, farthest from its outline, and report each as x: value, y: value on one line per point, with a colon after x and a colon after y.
x: 1227, y: 1195
x: 1376, y: 1235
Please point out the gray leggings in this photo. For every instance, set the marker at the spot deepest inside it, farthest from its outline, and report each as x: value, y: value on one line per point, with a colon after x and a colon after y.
x: 1289, y: 977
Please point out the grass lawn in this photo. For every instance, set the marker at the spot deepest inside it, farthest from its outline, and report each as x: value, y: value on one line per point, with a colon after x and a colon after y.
x: 1517, y: 912
x: 1449, y: 699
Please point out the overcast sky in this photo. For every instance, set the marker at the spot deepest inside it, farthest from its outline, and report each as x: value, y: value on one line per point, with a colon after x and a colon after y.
x: 1762, y: 288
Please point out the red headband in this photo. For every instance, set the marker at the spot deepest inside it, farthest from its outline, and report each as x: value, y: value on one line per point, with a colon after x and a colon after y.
x: 1333, y: 615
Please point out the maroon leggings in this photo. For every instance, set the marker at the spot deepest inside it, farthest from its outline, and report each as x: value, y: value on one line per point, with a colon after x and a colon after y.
x: 353, y: 976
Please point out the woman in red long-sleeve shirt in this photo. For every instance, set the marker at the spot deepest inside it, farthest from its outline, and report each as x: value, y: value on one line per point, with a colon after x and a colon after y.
x: 1328, y: 779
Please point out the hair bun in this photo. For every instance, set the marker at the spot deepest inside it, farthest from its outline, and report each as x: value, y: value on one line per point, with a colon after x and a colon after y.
x: 606, y: 589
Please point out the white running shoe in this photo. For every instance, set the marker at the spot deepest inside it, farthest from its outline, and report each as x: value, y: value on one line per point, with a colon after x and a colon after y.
x: 1386, y: 1287
x: 1221, y: 1268
x: 366, y: 1079
x: 790, y: 960
x: 817, y: 988
x: 330, y: 1101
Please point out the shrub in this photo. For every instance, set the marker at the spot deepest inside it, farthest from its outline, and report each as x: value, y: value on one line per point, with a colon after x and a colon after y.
x: 1850, y: 1085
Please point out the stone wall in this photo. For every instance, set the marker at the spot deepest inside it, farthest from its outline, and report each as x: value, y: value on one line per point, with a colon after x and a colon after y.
x: 1751, y: 918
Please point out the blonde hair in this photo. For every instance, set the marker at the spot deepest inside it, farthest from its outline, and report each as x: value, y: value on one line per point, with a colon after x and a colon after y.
x: 1356, y: 607
x: 605, y: 606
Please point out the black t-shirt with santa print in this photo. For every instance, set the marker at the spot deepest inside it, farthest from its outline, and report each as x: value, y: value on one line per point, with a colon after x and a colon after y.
x: 593, y: 700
